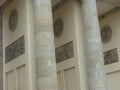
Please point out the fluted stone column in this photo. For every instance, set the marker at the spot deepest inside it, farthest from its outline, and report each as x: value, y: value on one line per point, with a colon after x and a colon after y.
x: 1, y: 60
x: 45, y: 49
x: 94, y: 54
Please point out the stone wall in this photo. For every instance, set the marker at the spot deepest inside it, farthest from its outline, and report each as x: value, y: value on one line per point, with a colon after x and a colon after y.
x: 113, y: 69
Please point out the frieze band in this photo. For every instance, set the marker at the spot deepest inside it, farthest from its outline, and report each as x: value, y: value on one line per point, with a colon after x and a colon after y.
x: 64, y: 52
x: 14, y: 50
x: 111, y: 56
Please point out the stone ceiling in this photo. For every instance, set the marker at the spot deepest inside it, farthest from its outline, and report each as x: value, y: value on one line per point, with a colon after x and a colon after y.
x: 104, y: 7
x: 111, y: 2
x: 2, y: 1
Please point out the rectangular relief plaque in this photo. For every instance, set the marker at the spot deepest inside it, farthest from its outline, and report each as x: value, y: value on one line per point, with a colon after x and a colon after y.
x: 15, y: 49
x: 64, y: 52
x: 111, y: 56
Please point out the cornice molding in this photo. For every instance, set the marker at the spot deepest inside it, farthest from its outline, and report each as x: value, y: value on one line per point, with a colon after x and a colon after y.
x: 55, y: 4
x: 58, y: 4
x: 111, y: 2
x: 108, y: 13
x: 4, y: 5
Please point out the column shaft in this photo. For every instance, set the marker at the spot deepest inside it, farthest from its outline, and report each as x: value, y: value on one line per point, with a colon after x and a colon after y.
x: 1, y: 60
x: 45, y: 49
x: 94, y: 54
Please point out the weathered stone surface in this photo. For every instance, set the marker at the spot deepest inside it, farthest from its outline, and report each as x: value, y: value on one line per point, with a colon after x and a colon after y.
x: 45, y: 50
x: 94, y: 54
